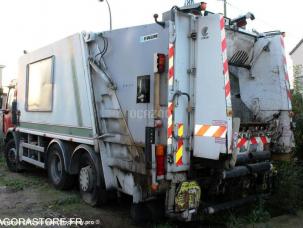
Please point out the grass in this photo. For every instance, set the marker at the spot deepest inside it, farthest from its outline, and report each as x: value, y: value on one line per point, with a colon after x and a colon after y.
x: 254, y: 215
x: 18, y: 183
x: 1, y: 159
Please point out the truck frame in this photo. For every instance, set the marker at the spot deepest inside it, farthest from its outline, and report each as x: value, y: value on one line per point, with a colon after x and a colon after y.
x: 186, y: 111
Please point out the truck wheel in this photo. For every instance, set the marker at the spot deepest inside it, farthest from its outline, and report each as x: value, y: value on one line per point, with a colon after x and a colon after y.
x: 91, y: 193
x: 139, y: 213
x: 152, y: 211
x: 11, y: 156
x: 56, y: 169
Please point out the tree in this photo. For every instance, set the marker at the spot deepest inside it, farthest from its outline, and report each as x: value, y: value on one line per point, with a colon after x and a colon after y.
x: 297, y: 105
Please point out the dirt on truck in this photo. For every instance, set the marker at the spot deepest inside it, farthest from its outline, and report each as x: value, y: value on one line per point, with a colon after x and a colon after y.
x: 182, y: 115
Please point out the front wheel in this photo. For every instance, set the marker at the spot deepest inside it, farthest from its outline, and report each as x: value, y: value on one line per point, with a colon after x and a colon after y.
x: 90, y: 192
x: 11, y: 156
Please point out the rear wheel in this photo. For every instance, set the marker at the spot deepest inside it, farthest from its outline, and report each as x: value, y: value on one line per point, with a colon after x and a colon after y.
x: 11, y: 156
x: 56, y: 169
x: 91, y: 193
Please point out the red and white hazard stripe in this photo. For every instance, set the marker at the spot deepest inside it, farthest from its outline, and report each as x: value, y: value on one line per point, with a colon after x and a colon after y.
x: 225, y: 66
x: 171, y: 73
x: 170, y: 110
x: 243, y: 142
x: 170, y: 106
x: 284, y: 62
x: 210, y: 131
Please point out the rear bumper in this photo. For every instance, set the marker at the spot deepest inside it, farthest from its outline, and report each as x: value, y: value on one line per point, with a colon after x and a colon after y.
x: 224, y: 190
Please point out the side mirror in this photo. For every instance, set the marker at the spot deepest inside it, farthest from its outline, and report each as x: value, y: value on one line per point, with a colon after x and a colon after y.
x: 14, y: 112
x: 5, y: 111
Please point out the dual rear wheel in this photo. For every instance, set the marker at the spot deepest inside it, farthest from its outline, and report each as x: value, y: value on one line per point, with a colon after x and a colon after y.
x: 90, y: 192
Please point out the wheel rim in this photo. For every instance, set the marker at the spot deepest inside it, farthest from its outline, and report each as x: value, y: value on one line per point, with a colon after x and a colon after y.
x: 12, y: 156
x: 86, y: 179
x: 56, y: 168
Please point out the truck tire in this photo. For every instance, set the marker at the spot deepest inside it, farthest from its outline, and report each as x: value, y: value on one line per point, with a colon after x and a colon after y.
x: 11, y: 156
x: 57, y: 175
x: 139, y: 213
x: 152, y: 211
x: 90, y: 192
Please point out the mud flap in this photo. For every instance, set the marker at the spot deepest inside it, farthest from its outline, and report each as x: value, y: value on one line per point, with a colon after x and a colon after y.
x: 188, y: 197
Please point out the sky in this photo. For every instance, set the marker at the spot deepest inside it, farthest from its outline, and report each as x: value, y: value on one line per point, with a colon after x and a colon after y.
x: 31, y: 24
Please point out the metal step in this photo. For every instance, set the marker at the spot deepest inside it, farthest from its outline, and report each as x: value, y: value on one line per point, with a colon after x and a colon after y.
x: 111, y: 114
x: 33, y: 161
x: 32, y: 147
x: 118, y: 139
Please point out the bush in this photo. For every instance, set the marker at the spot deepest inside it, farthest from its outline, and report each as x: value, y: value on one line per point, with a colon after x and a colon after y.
x: 287, y: 195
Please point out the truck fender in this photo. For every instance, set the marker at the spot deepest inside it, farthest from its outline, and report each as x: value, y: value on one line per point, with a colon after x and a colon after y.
x: 64, y: 149
x: 11, y: 133
x: 75, y: 158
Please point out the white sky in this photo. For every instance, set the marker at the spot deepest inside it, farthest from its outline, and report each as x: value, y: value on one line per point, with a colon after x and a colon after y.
x: 30, y: 24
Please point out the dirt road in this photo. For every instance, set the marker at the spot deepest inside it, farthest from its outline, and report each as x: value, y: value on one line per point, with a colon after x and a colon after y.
x: 29, y: 195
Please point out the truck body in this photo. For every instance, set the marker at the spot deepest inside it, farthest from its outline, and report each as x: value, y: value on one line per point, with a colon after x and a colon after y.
x: 188, y: 110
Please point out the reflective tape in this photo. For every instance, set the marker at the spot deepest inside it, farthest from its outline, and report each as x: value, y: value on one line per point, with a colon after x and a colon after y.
x: 210, y: 131
x: 170, y: 110
x: 171, y: 53
x: 243, y: 142
x: 225, y: 67
x: 179, y: 152
x: 286, y: 77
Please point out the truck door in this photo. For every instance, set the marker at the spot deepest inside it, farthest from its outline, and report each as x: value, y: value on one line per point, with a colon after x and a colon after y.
x: 213, y: 121
x: 7, y: 116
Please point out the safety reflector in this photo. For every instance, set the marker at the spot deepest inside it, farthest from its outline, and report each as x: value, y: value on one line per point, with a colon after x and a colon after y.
x: 210, y: 131
x: 179, y: 152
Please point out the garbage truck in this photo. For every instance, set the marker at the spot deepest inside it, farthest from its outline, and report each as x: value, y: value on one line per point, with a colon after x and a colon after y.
x: 186, y: 111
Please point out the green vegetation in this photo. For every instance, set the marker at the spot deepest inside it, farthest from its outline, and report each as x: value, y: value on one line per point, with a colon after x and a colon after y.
x: 18, y: 183
x: 287, y: 197
x: 68, y: 200
x: 257, y: 214
x: 1, y: 160
x: 297, y: 104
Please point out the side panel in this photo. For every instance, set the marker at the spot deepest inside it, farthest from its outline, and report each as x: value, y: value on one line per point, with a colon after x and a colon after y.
x: 70, y: 110
x: 211, y: 121
x: 130, y: 55
x: 264, y: 89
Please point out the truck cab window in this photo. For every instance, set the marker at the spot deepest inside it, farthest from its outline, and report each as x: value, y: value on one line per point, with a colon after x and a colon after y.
x: 143, y: 89
x: 40, y: 85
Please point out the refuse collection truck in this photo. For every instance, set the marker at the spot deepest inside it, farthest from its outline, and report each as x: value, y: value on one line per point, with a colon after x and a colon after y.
x: 187, y: 110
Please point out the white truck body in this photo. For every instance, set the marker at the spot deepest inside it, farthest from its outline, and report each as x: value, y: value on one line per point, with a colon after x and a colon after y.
x: 222, y: 103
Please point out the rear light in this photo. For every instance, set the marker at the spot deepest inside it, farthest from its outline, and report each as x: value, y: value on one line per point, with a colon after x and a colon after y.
x: 203, y: 6
x: 154, y: 187
x: 160, y: 60
x: 160, y: 161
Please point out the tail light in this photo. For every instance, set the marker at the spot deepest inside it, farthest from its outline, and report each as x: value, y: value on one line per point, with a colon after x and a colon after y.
x: 160, y: 161
x: 160, y: 60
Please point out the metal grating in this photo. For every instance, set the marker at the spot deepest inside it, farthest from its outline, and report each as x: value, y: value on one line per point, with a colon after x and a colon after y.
x: 239, y: 58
